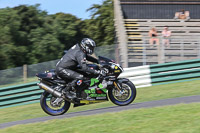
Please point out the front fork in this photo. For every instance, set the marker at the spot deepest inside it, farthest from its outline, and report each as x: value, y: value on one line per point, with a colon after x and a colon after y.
x: 118, y: 84
x: 119, y: 88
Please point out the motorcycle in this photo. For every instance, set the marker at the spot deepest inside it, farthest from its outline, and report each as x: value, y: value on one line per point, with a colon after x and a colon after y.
x: 121, y: 91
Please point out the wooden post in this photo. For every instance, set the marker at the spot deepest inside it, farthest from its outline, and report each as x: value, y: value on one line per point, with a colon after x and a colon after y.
x: 25, y: 72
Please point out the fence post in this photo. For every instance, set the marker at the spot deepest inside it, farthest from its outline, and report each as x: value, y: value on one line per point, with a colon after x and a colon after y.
x: 25, y: 72
x: 144, y: 52
x: 182, y: 50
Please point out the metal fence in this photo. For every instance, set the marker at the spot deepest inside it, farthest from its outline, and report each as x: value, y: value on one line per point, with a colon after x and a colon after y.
x: 106, y: 51
x: 179, y: 49
x: 24, y: 73
x: 27, y: 73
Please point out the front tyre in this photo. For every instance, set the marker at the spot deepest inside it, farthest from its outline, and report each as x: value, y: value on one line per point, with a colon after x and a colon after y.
x: 125, y: 96
x: 46, y: 102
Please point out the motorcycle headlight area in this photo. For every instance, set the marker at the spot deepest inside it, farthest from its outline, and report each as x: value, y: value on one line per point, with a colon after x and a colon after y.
x: 116, y: 68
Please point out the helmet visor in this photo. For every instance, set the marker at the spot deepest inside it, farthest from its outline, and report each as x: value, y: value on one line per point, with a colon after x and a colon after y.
x: 90, y: 49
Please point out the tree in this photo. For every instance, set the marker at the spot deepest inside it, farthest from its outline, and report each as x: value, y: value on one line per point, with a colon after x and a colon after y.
x: 101, y: 25
x: 7, y: 26
x: 67, y: 27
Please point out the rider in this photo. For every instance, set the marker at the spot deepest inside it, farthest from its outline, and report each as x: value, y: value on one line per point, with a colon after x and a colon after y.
x: 77, y: 55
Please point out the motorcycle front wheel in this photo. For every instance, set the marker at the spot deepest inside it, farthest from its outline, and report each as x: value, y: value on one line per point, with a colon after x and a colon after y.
x: 48, y: 106
x: 123, y: 97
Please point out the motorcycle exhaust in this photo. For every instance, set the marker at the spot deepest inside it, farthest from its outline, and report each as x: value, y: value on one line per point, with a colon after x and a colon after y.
x: 49, y: 89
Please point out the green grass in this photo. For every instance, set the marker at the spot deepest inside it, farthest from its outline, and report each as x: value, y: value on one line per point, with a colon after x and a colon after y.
x: 143, y: 94
x: 182, y: 118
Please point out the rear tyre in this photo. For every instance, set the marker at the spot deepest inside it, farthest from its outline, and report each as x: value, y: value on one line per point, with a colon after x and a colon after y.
x: 125, y: 96
x: 45, y: 102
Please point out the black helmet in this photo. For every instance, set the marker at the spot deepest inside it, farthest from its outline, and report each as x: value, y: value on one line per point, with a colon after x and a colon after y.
x: 88, y: 45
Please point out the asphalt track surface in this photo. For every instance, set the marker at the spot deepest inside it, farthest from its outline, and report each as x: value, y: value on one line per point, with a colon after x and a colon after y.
x: 150, y: 104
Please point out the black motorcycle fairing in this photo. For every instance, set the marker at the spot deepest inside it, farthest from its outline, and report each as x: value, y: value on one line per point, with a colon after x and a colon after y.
x: 105, y: 61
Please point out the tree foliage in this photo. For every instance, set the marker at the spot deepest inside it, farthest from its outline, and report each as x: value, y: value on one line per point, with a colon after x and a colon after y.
x: 29, y: 35
x: 101, y: 25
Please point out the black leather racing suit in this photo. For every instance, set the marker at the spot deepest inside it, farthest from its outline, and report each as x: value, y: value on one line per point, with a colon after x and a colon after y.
x: 66, y: 67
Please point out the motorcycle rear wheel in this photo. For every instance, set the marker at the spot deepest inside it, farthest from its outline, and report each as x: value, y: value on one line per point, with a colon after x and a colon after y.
x: 49, y: 109
x: 124, y: 97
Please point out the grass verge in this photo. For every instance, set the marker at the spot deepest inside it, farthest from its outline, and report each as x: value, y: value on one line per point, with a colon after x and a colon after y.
x: 182, y: 118
x: 143, y: 94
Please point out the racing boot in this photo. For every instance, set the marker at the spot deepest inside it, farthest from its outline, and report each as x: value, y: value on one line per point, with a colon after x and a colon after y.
x: 69, y: 93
